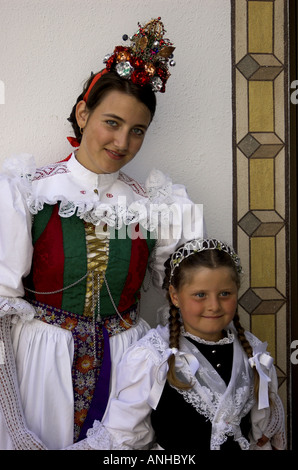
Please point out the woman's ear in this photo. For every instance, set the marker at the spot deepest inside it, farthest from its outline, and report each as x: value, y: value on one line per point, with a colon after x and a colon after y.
x: 173, y: 295
x: 82, y: 114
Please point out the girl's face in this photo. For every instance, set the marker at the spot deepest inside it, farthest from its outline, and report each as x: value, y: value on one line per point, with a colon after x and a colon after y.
x: 207, y: 302
x: 113, y: 133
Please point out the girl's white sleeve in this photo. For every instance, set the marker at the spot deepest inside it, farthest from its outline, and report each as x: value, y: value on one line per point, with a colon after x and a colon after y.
x: 127, y: 423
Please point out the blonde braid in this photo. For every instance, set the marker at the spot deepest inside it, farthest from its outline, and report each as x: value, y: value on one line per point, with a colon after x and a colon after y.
x: 247, y: 348
x: 174, y: 334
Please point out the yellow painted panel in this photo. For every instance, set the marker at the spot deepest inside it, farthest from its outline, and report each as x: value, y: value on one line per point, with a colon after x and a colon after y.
x: 261, y: 106
x: 262, y: 258
x: 263, y: 326
x: 260, y: 27
x: 261, y: 186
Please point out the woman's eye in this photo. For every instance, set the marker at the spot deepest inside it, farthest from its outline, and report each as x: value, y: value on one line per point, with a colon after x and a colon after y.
x: 112, y: 123
x: 138, y: 131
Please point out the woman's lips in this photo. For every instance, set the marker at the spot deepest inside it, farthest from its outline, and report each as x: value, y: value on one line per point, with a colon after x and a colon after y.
x: 114, y: 155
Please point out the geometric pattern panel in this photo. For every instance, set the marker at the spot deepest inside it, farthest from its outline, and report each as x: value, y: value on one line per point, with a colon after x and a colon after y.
x: 260, y: 220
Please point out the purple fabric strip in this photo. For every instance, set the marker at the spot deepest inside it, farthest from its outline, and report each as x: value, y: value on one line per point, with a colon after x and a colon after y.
x: 101, y: 392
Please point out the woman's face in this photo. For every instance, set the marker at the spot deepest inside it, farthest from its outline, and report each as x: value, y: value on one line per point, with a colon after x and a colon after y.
x: 113, y: 133
x: 207, y: 302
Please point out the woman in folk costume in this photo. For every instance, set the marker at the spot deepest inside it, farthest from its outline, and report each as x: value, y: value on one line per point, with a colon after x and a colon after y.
x: 76, y: 239
x: 200, y: 382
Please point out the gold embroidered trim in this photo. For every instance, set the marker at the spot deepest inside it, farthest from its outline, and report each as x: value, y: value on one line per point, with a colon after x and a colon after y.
x: 97, y: 240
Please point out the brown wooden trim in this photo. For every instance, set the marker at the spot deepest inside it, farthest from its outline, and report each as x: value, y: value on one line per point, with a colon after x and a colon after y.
x: 293, y: 216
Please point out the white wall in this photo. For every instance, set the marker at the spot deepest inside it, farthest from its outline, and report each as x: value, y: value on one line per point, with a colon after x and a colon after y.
x: 49, y: 47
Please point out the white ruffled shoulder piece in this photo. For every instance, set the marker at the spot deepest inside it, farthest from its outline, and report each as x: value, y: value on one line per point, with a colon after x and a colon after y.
x: 159, y: 187
x: 22, y: 165
x: 20, y: 169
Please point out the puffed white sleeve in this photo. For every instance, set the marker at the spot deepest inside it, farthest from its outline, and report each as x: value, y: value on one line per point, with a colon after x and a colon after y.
x: 15, y: 262
x: 127, y: 424
x: 15, y: 234
x: 178, y: 219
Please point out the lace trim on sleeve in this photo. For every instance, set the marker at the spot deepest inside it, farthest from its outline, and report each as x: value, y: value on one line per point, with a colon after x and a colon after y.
x: 275, y: 429
x: 10, y: 403
x: 99, y: 438
x: 16, y: 307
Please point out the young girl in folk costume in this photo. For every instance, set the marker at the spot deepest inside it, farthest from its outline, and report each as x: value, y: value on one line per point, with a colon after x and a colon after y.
x: 76, y: 239
x: 200, y: 382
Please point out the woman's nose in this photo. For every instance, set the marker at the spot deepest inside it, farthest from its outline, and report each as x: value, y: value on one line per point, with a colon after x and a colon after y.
x: 122, y: 140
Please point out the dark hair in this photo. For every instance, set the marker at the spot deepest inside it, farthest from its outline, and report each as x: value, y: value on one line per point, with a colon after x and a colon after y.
x: 211, y: 259
x: 108, y: 82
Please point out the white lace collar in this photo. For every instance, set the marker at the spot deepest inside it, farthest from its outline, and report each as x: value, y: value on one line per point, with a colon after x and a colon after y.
x: 226, y: 340
x: 144, y: 205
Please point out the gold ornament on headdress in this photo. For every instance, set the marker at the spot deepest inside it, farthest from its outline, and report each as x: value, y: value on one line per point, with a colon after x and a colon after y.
x: 146, y: 60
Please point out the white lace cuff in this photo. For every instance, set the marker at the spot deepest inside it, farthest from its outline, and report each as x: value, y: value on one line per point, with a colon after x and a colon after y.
x: 16, y: 307
x: 99, y: 438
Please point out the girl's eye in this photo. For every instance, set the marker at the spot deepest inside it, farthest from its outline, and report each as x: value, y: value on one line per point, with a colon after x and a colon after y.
x: 225, y: 294
x: 201, y: 295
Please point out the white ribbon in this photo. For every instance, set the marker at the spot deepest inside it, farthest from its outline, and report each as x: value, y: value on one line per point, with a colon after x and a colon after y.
x: 181, y: 358
x: 259, y: 359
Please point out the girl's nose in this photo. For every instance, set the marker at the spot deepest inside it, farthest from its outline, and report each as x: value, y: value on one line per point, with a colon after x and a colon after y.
x: 213, y: 303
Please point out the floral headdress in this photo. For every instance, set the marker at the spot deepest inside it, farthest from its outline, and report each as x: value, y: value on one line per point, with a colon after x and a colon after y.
x: 201, y: 244
x: 144, y: 61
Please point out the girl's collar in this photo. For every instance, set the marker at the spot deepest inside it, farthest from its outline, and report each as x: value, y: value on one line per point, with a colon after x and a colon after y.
x: 226, y: 340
